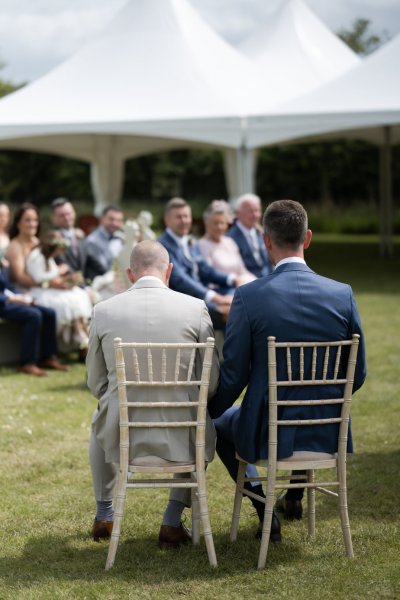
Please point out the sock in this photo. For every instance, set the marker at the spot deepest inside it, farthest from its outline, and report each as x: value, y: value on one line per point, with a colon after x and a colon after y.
x: 105, y: 511
x: 173, y: 513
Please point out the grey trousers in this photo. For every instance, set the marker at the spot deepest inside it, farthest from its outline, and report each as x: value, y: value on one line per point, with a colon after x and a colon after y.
x: 104, y: 476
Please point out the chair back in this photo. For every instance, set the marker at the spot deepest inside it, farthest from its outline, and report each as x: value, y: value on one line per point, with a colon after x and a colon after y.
x: 154, y: 371
x: 307, y: 364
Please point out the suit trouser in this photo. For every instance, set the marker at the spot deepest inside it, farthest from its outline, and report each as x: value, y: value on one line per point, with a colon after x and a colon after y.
x: 38, y: 330
x: 104, y: 476
x: 226, y: 451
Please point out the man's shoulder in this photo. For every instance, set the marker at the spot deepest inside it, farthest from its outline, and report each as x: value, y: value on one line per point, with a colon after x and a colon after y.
x: 233, y: 231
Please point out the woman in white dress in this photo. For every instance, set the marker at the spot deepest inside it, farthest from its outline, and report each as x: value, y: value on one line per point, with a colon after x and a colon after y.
x: 72, y: 304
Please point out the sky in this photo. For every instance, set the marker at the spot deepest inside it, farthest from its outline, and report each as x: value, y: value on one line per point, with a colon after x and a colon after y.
x: 36, y: 35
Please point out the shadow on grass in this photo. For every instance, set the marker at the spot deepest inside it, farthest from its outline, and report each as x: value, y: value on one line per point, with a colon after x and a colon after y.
x: 72, y: 558
x: 373, y: 488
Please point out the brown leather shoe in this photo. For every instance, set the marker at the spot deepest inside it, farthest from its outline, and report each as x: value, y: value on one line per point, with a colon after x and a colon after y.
x: 102, y: 530
x: 31, y: 369
x: 53, y: 363
x: 172, y: 537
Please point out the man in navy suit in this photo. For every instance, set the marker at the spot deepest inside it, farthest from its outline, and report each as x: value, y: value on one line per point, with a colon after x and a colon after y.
x: 292, y: 303
x: 245, y: 232
x: 192, y: 274
x: 38, y: 340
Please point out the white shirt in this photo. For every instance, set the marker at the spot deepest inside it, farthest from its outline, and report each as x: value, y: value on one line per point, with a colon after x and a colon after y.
x: 290, y: 259
x: 252, y: 240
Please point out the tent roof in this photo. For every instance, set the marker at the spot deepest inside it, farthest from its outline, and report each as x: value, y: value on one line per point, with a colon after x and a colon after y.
x: 357, y: 104
x: 296, y: 52
x: 158, y: 69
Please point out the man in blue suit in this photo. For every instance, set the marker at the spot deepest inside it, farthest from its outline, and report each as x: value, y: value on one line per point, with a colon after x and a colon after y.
x: 38, y: 323
x: 245, y: 232
x: 192, y: 274
x: 292, y: 303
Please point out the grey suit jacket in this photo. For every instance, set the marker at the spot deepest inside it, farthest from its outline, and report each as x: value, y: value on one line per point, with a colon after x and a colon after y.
x: 148, y: 312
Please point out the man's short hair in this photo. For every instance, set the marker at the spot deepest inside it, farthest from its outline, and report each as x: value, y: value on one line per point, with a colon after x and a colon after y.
x: 110, y: 208
x: 173, y: 204
x: 58, y: 202
x: 286, y: 223
x: 147, y: 255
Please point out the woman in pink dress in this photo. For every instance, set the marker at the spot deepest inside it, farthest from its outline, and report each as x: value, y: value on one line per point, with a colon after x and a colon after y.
x: 220, y: 251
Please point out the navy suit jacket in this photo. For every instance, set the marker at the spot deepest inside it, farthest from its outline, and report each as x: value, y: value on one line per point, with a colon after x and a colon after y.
x: 293, y: 304
x: 247, y: 253
x: 183, y: 278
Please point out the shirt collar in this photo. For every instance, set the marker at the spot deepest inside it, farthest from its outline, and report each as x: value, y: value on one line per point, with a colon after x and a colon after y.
x: 290, y: 259
x: 179, y: 239
x: 245, y: 229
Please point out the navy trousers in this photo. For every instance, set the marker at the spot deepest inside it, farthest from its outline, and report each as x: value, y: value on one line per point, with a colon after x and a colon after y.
x: 226, y: 451
x: 38, y: 330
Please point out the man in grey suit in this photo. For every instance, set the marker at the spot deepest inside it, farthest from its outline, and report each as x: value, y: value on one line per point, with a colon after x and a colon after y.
x: 148, y: 312
x: 104, y: 244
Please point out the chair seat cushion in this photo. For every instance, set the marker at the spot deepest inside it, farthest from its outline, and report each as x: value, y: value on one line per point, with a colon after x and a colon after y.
x: 155, y: 461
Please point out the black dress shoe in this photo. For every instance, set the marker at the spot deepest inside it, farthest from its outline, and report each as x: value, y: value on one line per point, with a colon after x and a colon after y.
x: 275, y: 534
x: 291, y: 509
x: 102, y: 530
x: 172, y: 537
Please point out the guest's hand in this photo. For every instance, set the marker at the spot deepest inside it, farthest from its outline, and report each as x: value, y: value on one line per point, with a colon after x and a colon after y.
x: 222, y: 300
x: 59, y: 283
x: 23, y: 299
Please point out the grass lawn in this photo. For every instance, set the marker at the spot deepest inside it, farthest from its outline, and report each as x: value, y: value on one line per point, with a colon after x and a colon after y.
x: 47, y: 507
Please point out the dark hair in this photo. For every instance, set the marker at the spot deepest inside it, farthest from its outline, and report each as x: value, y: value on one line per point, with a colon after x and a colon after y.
x: 286, y: 222
x: 110, y: 208
x: 58, y: 202
x: 175, y: 203
x: 19, y: 213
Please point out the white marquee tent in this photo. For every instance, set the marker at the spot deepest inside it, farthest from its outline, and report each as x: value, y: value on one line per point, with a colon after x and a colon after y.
x: 158, y: 77
x: 363, y: 103
x: 296, y: 51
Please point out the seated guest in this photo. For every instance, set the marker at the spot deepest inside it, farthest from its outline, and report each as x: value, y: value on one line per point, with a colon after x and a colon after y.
x: 192, y: 275
x: 24, y: 236
x: 293, y: 303
x: 72, y: 304
x: 38, y: 323
x: 220, y: 251
x: 4, y: 220
x: 148, y: 312
x: 104, y: 244
x: 247, y: 235
x: 63, y: 217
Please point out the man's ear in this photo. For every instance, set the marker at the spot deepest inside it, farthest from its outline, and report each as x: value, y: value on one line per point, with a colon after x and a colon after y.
x: 130, y: 274
x: 267, y: 241
x: 168, y: 272
x: 307, y: 241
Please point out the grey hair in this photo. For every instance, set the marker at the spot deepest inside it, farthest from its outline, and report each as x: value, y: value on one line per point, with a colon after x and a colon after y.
x: 248, y: 197
x: 286, y: 223
x: 218, y: 207
x: 148, y: 255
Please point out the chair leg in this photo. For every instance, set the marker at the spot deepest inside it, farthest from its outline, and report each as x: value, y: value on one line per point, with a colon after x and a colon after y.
x: 311, y: 504
x: 266, y: 528
x: 195, y: 516
x: 118, y: 514
x: 237, y: 503
x: 205, y: 518
x: 343, y: 511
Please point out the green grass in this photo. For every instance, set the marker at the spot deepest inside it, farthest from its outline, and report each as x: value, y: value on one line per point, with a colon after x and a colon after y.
x: 47, y: 507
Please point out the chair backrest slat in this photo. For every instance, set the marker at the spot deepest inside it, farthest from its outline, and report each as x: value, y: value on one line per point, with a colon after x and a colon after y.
x: 314, y: 359
x: 169, y: 366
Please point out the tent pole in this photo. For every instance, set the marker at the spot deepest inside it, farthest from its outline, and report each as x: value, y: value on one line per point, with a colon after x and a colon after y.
x: 107, y: 173
x: 386, y: 201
